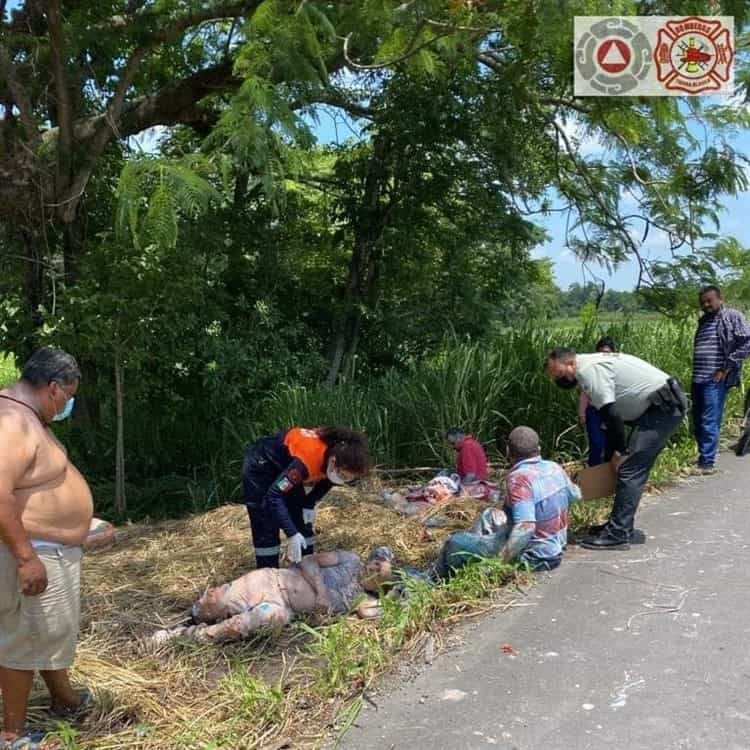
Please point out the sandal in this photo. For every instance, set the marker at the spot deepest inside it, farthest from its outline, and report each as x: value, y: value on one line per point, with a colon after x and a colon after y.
x: 73, y: 715
x: 29, y: 741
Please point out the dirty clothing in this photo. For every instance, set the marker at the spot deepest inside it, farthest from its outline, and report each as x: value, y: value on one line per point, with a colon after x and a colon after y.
x: 484, y: 539
x: 275, y: 474
x: 255, y: 601
x: 342, y: 583
x: 540, y: 492
x: 472, y: 460
x: 40, y: 632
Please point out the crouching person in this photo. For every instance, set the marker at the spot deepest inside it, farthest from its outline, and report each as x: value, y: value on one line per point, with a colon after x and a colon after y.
x: 539, y: 494
x: 322, y: 583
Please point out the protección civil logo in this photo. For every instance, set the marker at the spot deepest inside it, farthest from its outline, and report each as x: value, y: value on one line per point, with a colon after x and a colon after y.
x: 653, y: 55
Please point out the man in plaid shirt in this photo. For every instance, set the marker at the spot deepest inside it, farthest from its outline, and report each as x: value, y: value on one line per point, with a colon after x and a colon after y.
x: 722, y: 343
x: 539, y: 494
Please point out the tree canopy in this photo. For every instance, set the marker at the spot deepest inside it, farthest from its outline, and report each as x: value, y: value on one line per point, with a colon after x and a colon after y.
x: 169, y: 215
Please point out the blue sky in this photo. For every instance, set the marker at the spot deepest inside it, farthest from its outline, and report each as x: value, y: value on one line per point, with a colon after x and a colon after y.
x: 336, y: 129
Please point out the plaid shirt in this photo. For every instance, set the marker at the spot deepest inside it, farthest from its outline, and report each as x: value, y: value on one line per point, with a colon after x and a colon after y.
x: 540, y: 492
x: 732, y: 344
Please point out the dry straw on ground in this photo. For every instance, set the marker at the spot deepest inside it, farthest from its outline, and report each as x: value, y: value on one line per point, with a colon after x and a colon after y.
x: 179, y: 697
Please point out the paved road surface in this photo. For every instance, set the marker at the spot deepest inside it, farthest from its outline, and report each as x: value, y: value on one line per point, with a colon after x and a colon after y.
x: 647, y: 648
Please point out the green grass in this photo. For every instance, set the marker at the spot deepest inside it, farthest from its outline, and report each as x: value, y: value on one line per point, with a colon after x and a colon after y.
x: 485, y: 387
x: 8, y: 370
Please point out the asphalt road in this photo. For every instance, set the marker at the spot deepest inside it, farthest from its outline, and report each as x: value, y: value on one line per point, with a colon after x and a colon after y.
x: 646, y: 648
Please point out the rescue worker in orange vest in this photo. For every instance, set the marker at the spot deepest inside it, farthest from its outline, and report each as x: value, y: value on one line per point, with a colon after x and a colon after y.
x: 285, y: 475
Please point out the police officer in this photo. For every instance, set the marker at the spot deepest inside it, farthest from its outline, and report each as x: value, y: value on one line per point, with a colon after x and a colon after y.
x: 285, y: 475
x: 626, y: 391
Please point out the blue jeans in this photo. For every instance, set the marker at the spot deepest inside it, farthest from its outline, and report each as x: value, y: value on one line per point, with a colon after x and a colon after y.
x: 708, y: 410
x: 599, y: 451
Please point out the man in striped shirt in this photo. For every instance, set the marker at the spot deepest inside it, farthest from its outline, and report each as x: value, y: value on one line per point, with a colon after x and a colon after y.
x: 539, y: 493
x: 722, y: 342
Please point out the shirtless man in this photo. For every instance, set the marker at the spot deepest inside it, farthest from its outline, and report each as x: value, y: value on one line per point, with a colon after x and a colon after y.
x: 45, y: 512
x: 322, y: 583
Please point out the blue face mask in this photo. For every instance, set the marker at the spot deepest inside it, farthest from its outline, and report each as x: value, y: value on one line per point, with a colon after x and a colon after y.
x: 67, y: 410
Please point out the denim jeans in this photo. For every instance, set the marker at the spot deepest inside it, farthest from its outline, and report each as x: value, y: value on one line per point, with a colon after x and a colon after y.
x: 708, y: 410
x: 599, y: 450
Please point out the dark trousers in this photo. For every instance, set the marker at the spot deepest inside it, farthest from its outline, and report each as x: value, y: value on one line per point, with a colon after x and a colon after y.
x: 266, y: 534
x: 257, y: 478
x: 599, y: 449
x: 708, y: 412
x: 650, y: 436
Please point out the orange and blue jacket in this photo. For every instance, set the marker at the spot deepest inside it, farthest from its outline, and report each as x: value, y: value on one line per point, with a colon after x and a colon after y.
x: 278, y: 467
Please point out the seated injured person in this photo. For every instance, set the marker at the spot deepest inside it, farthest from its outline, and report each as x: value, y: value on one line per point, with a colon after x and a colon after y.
x: 534, y: 524
x: 322, y: 583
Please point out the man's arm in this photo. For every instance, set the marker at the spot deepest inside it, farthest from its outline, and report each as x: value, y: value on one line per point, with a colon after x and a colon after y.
x: 310, y: 569
x: 523, y: 516
x: 615, y: 428
x: 17, y: 452
x: 319, y: 490
x: 574, y: 491
x: 741, y: 334
x: 583, y: 404
x: 274, y: 501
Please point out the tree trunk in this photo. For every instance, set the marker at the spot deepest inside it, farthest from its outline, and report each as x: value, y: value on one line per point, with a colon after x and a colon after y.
x: 33, y: 291
x: 120, y: 499
x: 370, y: 222
x: 73, y: 241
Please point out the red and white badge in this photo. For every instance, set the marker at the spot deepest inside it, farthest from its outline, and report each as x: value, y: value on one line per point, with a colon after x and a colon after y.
x: 694, y: 55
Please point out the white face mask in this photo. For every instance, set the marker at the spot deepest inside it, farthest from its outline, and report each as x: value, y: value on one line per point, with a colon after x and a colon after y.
x: 67, y: 410
x: 334, y: 477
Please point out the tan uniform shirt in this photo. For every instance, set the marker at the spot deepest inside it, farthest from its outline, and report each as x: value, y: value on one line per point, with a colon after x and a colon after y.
x: 619, y: 379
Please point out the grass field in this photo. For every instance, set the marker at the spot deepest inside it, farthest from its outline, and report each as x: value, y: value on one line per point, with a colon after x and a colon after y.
x: 8, y: 372
x: 298, y: 686
x: 308, y: 681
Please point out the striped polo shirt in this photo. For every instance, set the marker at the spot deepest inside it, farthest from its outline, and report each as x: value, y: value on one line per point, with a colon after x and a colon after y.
x: 707, y: 352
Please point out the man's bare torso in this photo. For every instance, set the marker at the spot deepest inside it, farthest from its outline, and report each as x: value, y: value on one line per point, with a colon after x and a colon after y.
x: 53, y: 497
x: 287, y: 588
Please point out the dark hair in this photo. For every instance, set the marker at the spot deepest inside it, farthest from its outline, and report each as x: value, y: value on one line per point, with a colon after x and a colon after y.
x: 523, y: 442
x: 454, y: 433
x: 607, y: 341
x: 349, y: 447
x: 709, y: 288
x: 49, y: 365
x: 563, y: 353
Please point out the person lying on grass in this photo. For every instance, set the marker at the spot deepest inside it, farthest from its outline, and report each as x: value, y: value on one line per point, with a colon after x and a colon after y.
x: 322, y: 583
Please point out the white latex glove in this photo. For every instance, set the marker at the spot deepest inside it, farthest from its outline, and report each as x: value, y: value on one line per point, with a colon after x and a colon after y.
x: 308, y: 515
x: 294, y: 547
